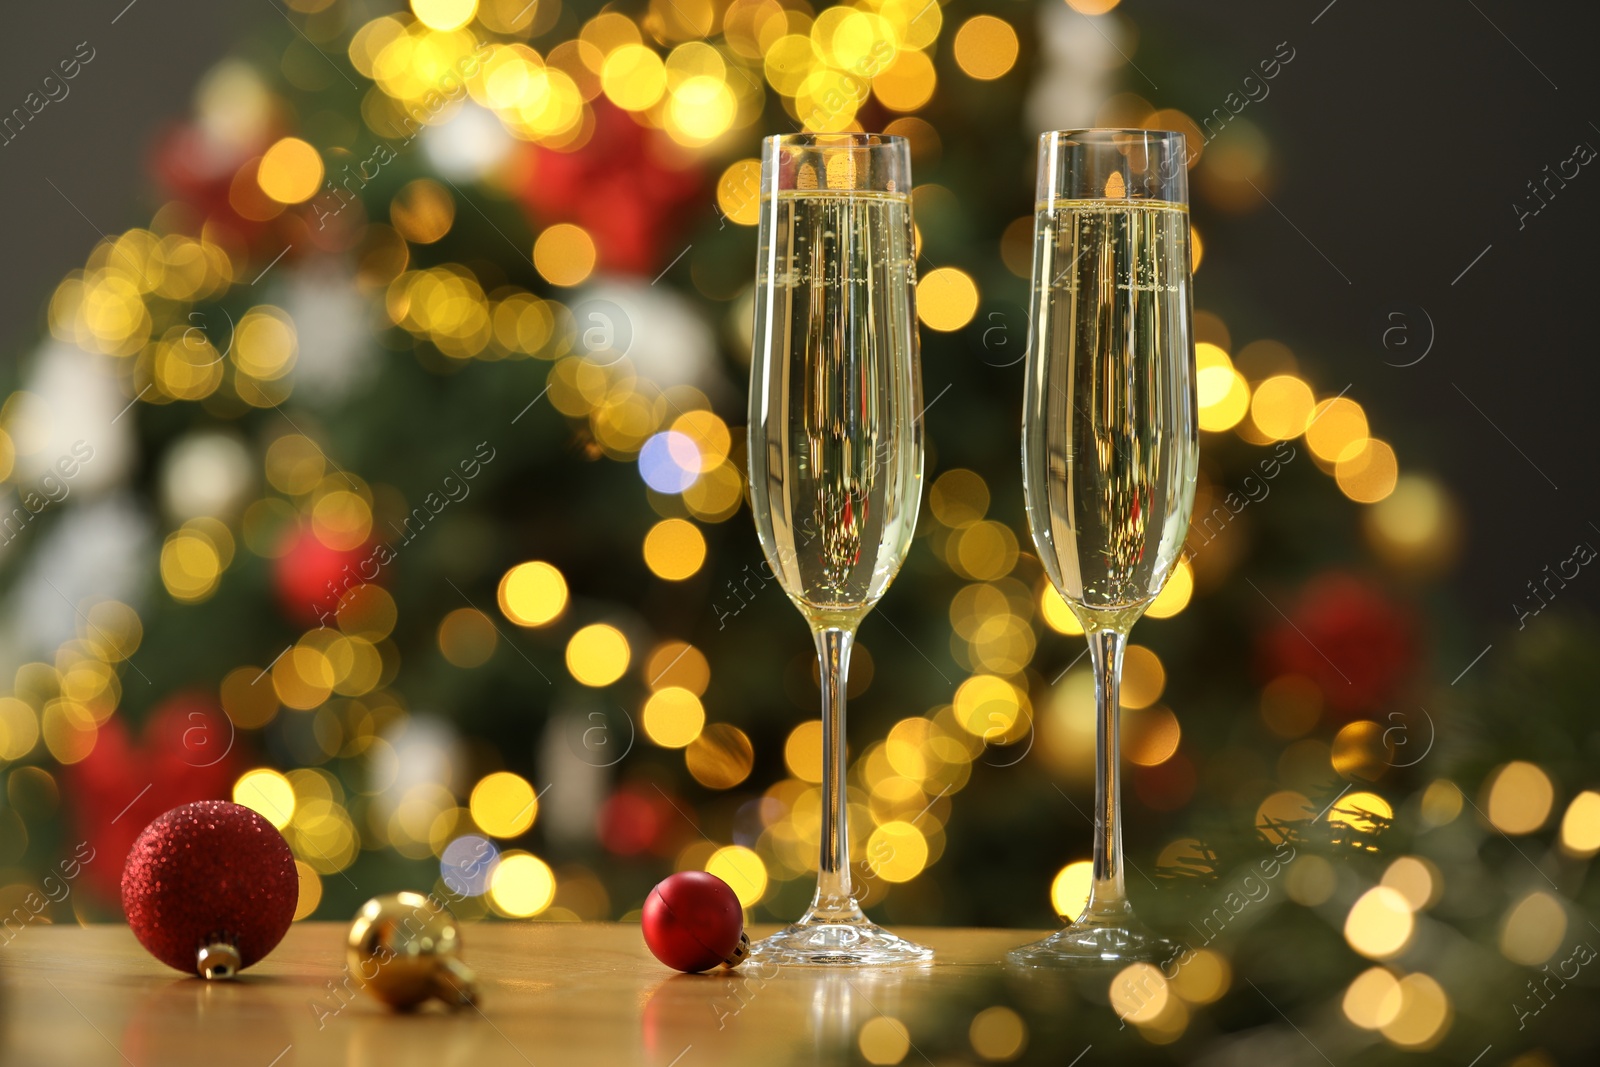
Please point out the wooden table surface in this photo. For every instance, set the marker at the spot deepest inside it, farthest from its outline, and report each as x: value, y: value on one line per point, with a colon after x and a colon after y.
x: 552, y: 994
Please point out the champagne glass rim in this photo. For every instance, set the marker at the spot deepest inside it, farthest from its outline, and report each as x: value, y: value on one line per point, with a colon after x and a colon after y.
x: 847, y: 139
x: 1109, y: 134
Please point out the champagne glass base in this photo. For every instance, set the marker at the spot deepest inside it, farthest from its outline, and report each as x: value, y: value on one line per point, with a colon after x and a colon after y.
x: 837, y: 941
x: 1086, y: 944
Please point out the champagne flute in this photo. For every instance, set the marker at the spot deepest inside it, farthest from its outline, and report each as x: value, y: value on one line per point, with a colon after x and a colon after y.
x: 835, y: 449
x: 1110, y: 442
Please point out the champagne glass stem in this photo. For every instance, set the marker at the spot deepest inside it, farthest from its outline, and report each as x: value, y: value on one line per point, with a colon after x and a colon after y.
x: 1108, y: 896
x: 835, y: 894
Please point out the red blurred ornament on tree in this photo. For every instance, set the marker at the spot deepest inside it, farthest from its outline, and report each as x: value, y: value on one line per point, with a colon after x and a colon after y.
x: 629, y: 823
x: 634, y: 821
x: 1168, y: 785
x: 210, y: 888
x: 199, y: 170
x: 188, y: 751
x: 693, y: 921
x: 1349, y: 638
x: 627, y: 186
x: 310, y: 578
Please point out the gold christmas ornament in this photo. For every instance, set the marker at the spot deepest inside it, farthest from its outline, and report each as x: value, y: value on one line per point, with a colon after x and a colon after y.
x: 404, y: 948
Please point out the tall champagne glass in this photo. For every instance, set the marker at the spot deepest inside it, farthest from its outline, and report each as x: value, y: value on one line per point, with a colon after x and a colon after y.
x: 1110, y: 442
x: 835, y: 449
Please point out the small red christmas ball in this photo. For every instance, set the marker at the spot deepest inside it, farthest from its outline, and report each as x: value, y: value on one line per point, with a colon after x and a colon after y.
x: 693, y: 921
x: 210, y: 888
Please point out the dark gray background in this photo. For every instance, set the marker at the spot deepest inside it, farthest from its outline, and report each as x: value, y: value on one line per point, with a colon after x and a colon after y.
x: 93, y: 144
x: 1402, y: 135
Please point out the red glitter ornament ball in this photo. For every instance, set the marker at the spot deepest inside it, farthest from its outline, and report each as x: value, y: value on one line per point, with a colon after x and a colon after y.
x: 209, y: 873
x: 692, y: 921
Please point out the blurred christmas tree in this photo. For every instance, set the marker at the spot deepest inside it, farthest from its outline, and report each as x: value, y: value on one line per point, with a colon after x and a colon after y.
x: 391, y: 482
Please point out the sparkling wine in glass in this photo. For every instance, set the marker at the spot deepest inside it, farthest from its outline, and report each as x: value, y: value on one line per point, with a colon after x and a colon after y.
x: 835, y: 449
x: 1110, y: 442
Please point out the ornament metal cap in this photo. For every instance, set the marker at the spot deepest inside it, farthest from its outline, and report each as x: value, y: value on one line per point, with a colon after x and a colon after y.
x: 740, y: 951
x: 454, y: 983
x: 219, y: 959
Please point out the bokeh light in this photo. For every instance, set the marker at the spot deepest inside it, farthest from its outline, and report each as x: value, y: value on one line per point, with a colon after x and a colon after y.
x: 522, y: 885
x: 1175, y: 595
x: 1533, y: 929
x: 985, y: 47
x: 669, y: 462
x: 190, y: 566
x: 673, y: 717
x: 680, y: 664
x: 1417, y: 879
x: 1424, y: 1013
x: 1221, y: 391
x: 947, y: 299
x: 1281, y: 407
x: 959, y: 498
x: 1359, y: 751
x: 503, y: 804
x: 564, y: 254
x: 422, y: 211
x: 1284, y: 806
x: 674, y: 549
x: 19, y: 728
x: 1336, y: 425
x: 742, y: 869
x: 711, y: 436
x: 1372, y: 1000
x: 1367, y: 473
x: 907, y: 83
x: 1416, y: 527
x: 290, y: 172
x: 310, y: 890
x: 721, y: 757
x: 1057, y: 615
x: 265, y: 347
x: 1520, y: 798
x: 739, y: 192
x: 467, y: 637
x: 1143, y: 678
x: 1580, y: 827
x: 1139, y: 993
x: 268, y: 792
x: 1311, y: 881
x: 1204, y: 978
x: 467, y: 864
x: 1069, y: 890
x: 1442, y: 802
x: 802, y: 752
x: 883, y: 1040
x: 1380, y: 924
x: 444, y: 15
x: 896, y: 851
x: 634, y: 77
x: 1361, y: 811
x: 998, y: 1034
x: 533, y: 594
x: 597, y: 655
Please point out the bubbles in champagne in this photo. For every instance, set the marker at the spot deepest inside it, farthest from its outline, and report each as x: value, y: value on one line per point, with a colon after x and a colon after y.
x: 1110, y: 437
x: 835, y: 428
